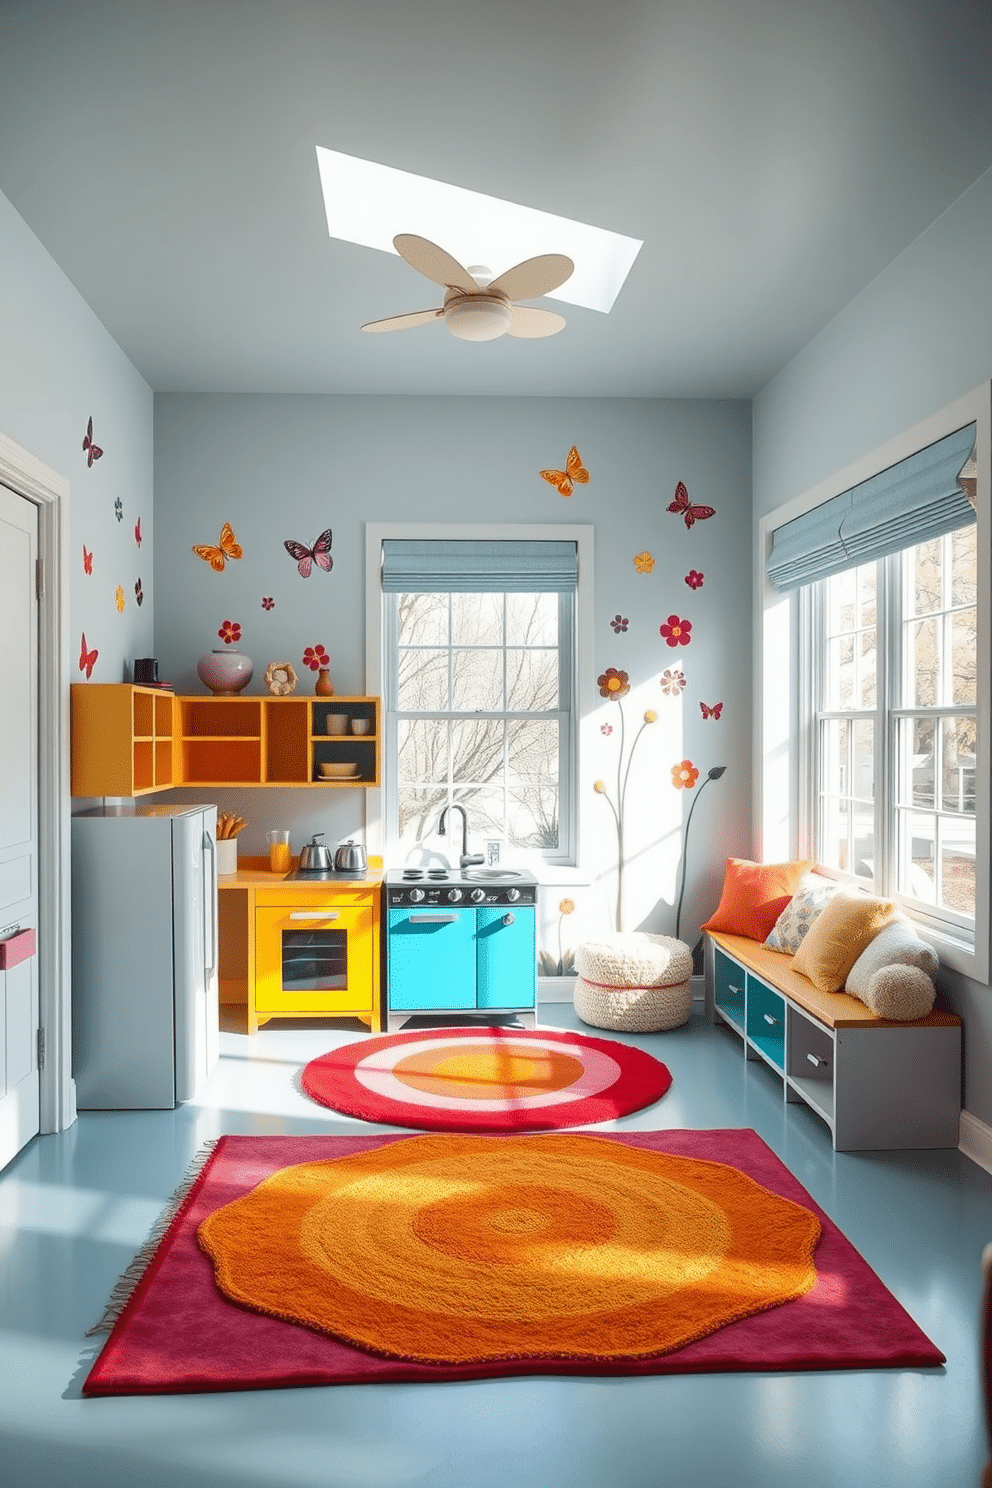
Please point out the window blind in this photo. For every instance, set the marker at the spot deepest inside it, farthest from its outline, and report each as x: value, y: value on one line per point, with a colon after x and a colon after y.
x: 919, y: 498
x: 414, y: 566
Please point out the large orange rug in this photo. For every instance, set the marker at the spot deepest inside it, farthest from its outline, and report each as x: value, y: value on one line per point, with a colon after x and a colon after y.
x: 605, y: 1264
x: 465, y: 1249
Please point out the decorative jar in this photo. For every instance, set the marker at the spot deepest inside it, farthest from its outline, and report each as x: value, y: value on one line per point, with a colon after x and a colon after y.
x: 225, y: 672
x: 324, y: 687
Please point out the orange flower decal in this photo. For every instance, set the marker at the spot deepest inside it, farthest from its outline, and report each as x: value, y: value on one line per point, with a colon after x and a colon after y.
x: 685, y: 775
x: 120, y: 598
x: 613, y: 684
x: 643, y: 562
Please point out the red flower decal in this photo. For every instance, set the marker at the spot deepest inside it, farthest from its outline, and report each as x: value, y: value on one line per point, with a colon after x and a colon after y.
x: 676, y: 631
x: 268, y: 603
x: 694, y: 579
x: 613, y: 684
x: 316, y: 657
x: 619, y: 623
x: 230, y: 631
x: 685, y: 775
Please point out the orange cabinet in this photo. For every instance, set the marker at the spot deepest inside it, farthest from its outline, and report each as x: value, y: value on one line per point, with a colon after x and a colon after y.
x: 123, y: 739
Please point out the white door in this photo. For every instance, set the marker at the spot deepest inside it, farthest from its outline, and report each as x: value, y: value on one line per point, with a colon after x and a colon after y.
x: 19, y: 1020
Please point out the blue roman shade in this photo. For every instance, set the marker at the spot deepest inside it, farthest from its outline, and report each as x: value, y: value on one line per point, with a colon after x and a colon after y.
x: 415, y: 566
x: 909, y: 503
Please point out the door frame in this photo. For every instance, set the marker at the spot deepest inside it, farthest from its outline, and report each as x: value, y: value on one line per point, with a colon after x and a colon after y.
x: 36, y: 482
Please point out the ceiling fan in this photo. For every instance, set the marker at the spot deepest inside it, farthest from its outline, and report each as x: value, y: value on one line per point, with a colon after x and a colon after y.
x: 476, y: 307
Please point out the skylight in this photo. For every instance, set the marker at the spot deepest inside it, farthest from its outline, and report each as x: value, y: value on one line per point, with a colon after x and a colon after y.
x: 369, y: 204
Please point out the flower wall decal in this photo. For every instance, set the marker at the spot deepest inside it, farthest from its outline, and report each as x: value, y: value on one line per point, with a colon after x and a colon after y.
x: 565, y: 965
x: 606, y: 728
x: 673, y: 681
x: 619, y: 623
x: 643, y: 562
x: 119, y: 600
x: 119, y: 509
x: 316, y: 657
x: 613, y: 684
x: 694, y: 579
x: 268, y: 603
x: 139, y: 593
x: 676, y: 632
x: 230, y: 631
x: 684, y: 775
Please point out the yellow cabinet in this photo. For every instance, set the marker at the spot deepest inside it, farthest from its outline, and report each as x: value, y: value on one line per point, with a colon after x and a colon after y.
x: 317, y: 955
x: 122, y: 739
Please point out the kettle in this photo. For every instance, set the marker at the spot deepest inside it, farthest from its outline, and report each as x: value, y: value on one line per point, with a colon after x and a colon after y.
x: 315, y: 857
x: 350, y: 858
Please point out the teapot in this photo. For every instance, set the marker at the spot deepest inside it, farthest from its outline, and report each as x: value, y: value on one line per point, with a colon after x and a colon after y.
x: 350, y: 858
x: 315, y: 857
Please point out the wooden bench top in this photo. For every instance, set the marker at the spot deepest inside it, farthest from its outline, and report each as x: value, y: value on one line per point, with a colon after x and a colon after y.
x: 835, y: 1009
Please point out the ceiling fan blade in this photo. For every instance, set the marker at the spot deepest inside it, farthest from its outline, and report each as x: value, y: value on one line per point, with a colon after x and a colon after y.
x: 431, y: 261
x: 402, y: 322
x: 535, y: 276
x: 529, y: 323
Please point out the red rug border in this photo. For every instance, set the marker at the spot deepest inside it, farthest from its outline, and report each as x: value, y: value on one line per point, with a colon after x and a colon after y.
x: 113, y: 1373
x: 651, y: 1075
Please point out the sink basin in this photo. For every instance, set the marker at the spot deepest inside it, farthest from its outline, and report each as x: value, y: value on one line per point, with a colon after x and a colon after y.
x: 492, y: 873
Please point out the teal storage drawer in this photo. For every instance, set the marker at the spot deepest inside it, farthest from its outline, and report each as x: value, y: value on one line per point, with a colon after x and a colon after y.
x: 506, y: 957
x: 766, y: 1020
x: 729, y: 988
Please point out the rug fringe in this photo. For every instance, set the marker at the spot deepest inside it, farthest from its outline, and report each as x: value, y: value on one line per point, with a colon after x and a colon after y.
x: 125, y: 1284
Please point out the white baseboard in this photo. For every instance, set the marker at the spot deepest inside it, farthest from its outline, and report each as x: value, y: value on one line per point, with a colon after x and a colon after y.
x: 561, y: 989
x: 975, y: 1140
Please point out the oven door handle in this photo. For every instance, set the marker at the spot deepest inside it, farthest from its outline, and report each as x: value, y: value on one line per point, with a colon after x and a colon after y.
x: 314, y: 914
x: 432, y: 919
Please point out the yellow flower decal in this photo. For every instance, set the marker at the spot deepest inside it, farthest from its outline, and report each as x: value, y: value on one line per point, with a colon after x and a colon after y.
x: 120, y: 598
x: 599, y: 787
x: 643, y: 562
x: 650, y: 716
x: 567, y: 906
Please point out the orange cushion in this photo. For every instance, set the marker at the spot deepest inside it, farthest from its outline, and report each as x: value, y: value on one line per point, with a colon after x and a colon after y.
x: 849, y: 923
x: 754, y: 895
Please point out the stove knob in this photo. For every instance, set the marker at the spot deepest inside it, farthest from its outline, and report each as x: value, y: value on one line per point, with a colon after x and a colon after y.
x: 509, y: 919
x: 454, y: 895
x: 477, y: 896
x: 416, y: 895
x: 513, y: 895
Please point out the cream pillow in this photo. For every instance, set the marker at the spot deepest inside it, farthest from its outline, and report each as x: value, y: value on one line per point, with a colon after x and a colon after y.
x: 897, y: 945
x: 903, y: 993
x: 805, y: 906
x: 838, y: 936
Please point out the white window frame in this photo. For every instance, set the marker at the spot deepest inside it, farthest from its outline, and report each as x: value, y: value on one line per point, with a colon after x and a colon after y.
x: 785, y: 753
x: 380, y: 803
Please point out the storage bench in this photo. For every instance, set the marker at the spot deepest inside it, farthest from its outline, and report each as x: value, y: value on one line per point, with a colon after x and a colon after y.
x: 876, y: 1083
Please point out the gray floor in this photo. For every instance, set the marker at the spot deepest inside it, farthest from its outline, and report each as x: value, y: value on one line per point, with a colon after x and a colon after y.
x: 74, y: 1208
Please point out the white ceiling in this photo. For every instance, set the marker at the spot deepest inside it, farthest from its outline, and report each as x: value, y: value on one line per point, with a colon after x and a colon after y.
x: 774, y: 155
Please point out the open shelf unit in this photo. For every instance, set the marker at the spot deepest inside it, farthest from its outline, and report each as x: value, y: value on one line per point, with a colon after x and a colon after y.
x: 127, y: 741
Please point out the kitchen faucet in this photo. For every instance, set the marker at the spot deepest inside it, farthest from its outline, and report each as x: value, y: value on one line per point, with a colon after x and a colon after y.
x: 467, y: 859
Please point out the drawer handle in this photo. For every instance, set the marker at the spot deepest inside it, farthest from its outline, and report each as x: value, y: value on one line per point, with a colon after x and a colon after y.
x: 738, y: 991
x: 770, y: 1019
x: 314, y: 914
x: 432, y: 919
x: 814, y: 1061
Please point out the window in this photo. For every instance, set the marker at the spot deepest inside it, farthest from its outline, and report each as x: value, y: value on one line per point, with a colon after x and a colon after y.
x: 479, y: 690
x: 895, y: 689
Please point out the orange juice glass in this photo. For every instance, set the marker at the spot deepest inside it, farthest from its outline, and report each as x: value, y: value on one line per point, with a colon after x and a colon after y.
x: 279, y: 852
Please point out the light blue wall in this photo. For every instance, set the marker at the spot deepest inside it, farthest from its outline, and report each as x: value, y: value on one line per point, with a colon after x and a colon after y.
x: 287, y: 467
x: 917, y: 338
x: 58, y: 368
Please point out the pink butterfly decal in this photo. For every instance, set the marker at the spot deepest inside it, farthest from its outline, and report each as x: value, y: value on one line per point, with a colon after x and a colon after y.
x: 87, y: 659
x: 681, y: 507
x: 306, y: 557
x: 137, y: 532
x: 93, y: 451
x: 87, y: 560
x: 711, y: 712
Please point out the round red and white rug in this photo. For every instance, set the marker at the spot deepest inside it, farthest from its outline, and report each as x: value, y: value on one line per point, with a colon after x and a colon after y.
x: 486, y: 1079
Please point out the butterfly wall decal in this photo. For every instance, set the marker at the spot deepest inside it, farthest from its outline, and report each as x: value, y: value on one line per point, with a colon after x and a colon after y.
x: 681, y: 507
x: 709, y: 711
x: 574, y: 474
x: 93, y: 451
x: 228, y: 547
x: 306, y: 557
x: 87, y: 560
x: 137, y: 532
x: 87, y: 659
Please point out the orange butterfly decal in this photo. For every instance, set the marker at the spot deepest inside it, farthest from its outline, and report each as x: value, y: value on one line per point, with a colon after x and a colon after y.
x: 682, y: 508
x: 87, y: 659
x: 711, y: 712
x: 217, y: 557
x: 87, y: 560
x: 574, y: 474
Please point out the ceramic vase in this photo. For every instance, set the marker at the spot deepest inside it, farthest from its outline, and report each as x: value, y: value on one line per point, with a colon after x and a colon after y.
x: 225, y: 672
x: 324, y: 687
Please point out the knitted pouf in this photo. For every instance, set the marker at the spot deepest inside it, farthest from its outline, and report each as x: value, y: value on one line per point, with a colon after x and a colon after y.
x: 635, y: 983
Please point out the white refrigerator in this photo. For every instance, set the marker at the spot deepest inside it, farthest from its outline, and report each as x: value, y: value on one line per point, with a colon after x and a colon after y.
x: 144, y: 955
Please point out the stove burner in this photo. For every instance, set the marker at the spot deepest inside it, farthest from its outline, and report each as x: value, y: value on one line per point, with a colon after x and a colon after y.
x: 412, y: 873
x: 438, y: 873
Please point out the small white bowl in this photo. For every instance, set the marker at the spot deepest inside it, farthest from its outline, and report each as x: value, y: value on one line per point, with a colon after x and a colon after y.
x: 361, y: 725
x: 335, y: 771
x: 336, y: 723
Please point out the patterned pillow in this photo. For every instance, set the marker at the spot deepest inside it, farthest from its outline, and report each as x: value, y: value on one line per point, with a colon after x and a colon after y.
x: 809, y: 900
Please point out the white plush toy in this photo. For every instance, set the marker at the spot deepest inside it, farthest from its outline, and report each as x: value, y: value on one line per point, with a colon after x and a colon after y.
x: 894, y: 974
